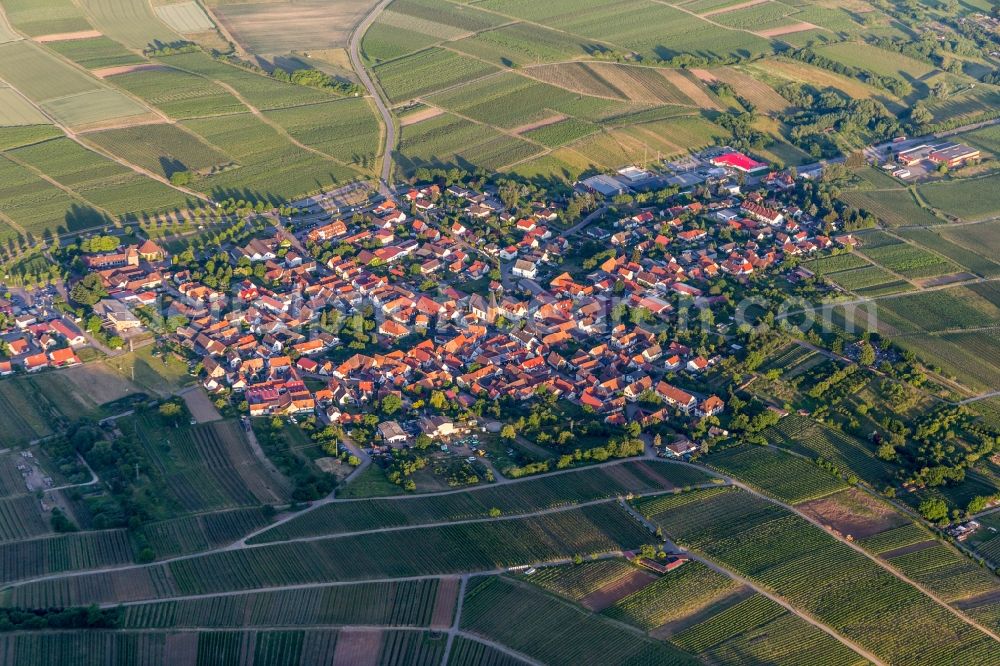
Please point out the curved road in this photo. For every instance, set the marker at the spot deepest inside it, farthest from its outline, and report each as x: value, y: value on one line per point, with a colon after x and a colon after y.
x: 354, y: 49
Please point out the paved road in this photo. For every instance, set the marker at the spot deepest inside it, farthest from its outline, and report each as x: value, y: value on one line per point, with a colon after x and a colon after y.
x: 354, y: 50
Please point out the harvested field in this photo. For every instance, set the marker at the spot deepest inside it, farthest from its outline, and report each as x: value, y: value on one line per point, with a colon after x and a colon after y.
x: 763, y: 96
x: 201, y: 407
x: 689, y: 88
x: 786, y: 29
x: 544, y: 122
x: 732, y: 8
x: 853, y: 512
x: 284, y: 26
x: 186, y: 17
x: 418, y: 116
x: 608, y: 595
x: 105, y: 72
x: 445, y: 602
x: 357, y: 648
x: 67, y: 36
x: 98, y: 382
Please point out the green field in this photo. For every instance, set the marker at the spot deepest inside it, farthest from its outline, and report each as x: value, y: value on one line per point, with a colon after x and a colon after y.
x: 759, y: 629
x: 406, y: 603
x: 511, y: 499
x: 99, y: 181
x: 347, y: 130
x: 45, y: 17
x: 162, y: 149
x: 271, y: 168
x: 69, y: 552
x: 775, y: 473
x: 819, y: 574
x: 130, y: 22
x: 206, y: 467
x: 897, y: 208
x: 813, y: 440
x: 69, y: 95
x: 910, y: 261
x: 427, y: 71
x: 95, y: 52
x: 966, y: 199
x: 422, y: 551
x: 178, y: 94
x: 578, y: 580
x: 449, y: 140
x: 674, y: 596
x: 970, y: 259
x: 553, y: 631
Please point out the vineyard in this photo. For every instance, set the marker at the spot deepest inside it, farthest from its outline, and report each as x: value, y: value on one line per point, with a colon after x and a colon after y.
x: 21, y: 518
x: 949, y: 574
x: 577, y: 581
x: 967, y: 258
x: 821, y: 575
x: 958, y: 307
x: 208, y: 466
x: 814, y: 440
x: 468, y: 652
x: 676, y: 595
x: 553, y: 631
x: 910, y: 261
x: 776, y: 473
x: 836, y: 263
x: 524, y: 496
x: 191, y: 534
x: 86, y: 550
x: 401, y: 604
x: 480, y: 546
x: 736, y: 620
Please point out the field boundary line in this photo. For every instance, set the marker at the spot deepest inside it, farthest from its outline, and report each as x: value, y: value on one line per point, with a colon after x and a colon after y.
x: 884, y: 565
x: 51, y: 181
x: 457, y: 622
x: 242, y: 545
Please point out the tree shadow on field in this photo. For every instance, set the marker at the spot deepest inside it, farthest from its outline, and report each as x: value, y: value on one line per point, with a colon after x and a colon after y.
x: 84, y: 217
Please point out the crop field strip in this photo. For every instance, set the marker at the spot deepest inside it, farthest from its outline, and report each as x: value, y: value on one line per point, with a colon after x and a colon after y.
x: 64, y: 92
x: 579, y: 580
x: 820, y: 575
x: 470, y: 652
x: 68, y: 552
x: 236, y: 648
x: 21, y: 518
x: 420, y: 551
x: 814, y: 440
x: 553, y: 631
x: 208, y: 466
x: 392, y: 604
x: 674, y: 596
x: 776, y: 473
x: 760, y: 630
x: 44, y: 17
x: 190, y: 534
x: 566, y: 489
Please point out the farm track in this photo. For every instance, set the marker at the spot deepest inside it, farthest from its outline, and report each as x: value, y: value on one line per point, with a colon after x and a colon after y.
x: 754, y: 586
x: 884, y: 565
x: 242, y: 545
x: 354, y: 52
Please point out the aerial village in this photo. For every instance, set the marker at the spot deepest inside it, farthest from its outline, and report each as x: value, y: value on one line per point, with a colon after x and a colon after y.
x: 444, y: 289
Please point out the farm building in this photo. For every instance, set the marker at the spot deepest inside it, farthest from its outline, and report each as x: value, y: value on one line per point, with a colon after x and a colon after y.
x: 391, y: 432
x: 739, y: 162
x: 606, y: 185
x: 953, y: 154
